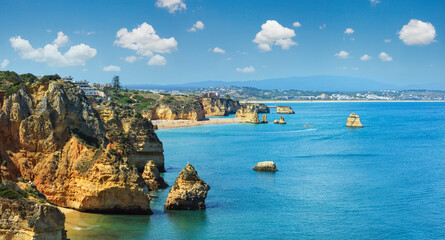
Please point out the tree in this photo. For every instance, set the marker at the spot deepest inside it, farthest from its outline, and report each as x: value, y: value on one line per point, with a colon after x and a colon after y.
x: 116, y: 83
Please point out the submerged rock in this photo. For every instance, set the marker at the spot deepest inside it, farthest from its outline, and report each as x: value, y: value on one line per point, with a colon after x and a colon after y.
x: 285, y: 110
x: 248, y: 115
x: 189, y: 191
x: 354, y: 121
x: 266, y: 166
x: 264, y: 118
x: 152, y: 177
x: 282, y: 121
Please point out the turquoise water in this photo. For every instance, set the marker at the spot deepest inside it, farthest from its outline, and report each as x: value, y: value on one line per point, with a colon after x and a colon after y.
x: 384, y: 181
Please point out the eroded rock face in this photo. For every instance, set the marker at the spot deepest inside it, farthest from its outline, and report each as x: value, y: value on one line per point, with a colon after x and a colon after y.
x: 268, y: 166
x: 264, y: 118
x: 50, y: 134
x: 260, y: 107
x: 215, y: 106
x: 152, y: 177
x: 248, y: 115
x: 188, y: 111
x: 189, y: 191
x: 282, y: 121
x: 354, y: 121
x: 285, y: 110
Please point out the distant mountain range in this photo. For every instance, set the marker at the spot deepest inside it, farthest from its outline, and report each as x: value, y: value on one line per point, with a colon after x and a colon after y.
x: 314, y: 83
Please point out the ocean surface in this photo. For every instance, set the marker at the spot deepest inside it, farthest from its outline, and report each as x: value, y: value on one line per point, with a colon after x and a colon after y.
x: 383, y: 181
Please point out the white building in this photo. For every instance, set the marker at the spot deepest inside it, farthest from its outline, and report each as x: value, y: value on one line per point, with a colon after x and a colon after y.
x: 88, y: 88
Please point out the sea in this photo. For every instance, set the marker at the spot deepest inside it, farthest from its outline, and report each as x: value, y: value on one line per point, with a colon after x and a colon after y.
x: 383, y: 181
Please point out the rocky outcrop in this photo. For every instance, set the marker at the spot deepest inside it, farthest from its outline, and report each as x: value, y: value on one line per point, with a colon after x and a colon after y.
x: 264, y: 119
x: 215, y: 106
x: 285, y: 110
x: 50, y: 134
x: 280, y: 121
x: 178, y: 110
x: 248, y: 115
x: 152, y: 177
x: 354, y: 121
x: 260, y: 107
x: 276, y: 121
x: 268, y: 166
x: 189, y: 191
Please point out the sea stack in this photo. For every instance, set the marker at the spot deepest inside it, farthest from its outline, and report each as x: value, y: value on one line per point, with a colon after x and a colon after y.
x: 264, y: 118
x: 354, y: 121
x: 152, y: 177
x: 276, y: 121
x: 285, y: 110
x: 282, y: 121
x: 248, y: 115
x: 189, y: 191
x: 267, y: 166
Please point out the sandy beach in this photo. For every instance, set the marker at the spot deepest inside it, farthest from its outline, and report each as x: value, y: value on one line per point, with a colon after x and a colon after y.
x: 167, y: 124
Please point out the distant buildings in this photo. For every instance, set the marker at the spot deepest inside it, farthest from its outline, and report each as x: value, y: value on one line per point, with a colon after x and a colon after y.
x: 88, y: 88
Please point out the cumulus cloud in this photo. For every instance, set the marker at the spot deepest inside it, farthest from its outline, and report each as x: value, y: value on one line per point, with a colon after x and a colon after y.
x: 365, y: 57
x: 387, y: 40
x: 218, y: 50
x: 296, y: 24
x: 157, y: 60
x: 249, y: 69
x: 385, y: 57
x: 197, y: 26
x: 145, y: 42
x: 131, y: 59
x: 112, y: 68
x: 76, y: 56
x: 4, y: 63
x: 417, y: 32
x: 342, y: 54
x: 272, y: 33
x: 349, y: 31
x: 171, y: 5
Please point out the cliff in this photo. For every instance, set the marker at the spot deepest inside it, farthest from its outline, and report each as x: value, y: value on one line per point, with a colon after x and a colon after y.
x: 285, y: 110
x: 189, y: 191
x: 354, y: 121
x: 260, y: 107
x: 76, y: 156
x: 248, y: 115
x: 215, y: 106
x: 178, y: 110
x: 152, y: 177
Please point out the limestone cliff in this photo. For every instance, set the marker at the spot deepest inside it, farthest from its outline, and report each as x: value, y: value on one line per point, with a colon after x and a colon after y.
x: 50, y: 134
x: 248, y: 115
x: 354, y: 121
x: 260, y: 107
x: 267, y: 166
x: 285, y: 110
x: 152, y: 177
x: 215, y: 106
x: 178, y: 110
x: 189, y: 191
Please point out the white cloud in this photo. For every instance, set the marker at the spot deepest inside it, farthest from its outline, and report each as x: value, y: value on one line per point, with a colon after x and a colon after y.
x: 296, y: 24
x: 387, y: 40
x: 157, y: 60
x: 218, y: 50
x: 374, y: 2
x: 131, y: 59
x: 172, y: 5
x: 365, y: 58
x: 4, y: 63
x: 90, y: 33
x: 197, y: 26
x: 246, y: 69
x: 112, y: 68
x: 342, y: 54
x: 272, y: 33
x: 417, y: 32
x: 228, y: 59
x: 146, y: 42
x: 385, y: 57
x: 322, y: 26
x: 76, y: 56
x: 48, y: 30
x: 349, y: 31
x: 354, y: 68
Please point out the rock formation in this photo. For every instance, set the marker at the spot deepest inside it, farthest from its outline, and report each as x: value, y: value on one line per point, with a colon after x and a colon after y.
x: 276, y: 121
x: 264, y: 118
x: 178, y: 110
x: 266, y: 166
x: 248, y: 115
x: 152, y: 177
x: 189, y: 191
x: 354, y: 121
x: 282, y: 121
x: 260, y: 107
x: 285, y: 110
x: 50, y: 134
x: 215, y: 106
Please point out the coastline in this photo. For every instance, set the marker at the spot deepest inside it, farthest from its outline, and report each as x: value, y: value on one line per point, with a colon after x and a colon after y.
x: 335, y: 101
x: 169, y: 124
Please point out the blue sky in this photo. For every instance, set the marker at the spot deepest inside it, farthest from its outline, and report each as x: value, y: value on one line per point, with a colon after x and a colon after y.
x: 179, y: 55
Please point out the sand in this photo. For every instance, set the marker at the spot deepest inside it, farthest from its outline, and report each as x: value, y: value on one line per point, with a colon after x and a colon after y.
x: 167, y: 124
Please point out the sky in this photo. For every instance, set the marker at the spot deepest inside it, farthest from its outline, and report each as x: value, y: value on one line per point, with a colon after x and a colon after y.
x: 182, y: 41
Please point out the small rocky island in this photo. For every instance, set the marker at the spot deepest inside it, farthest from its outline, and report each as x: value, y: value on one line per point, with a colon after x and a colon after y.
x: 267, y: 166
x: 152, y: 177
x: 281, y: 121
x: 285, y: 110
x: 354, y: 121
x: 189, y: 191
